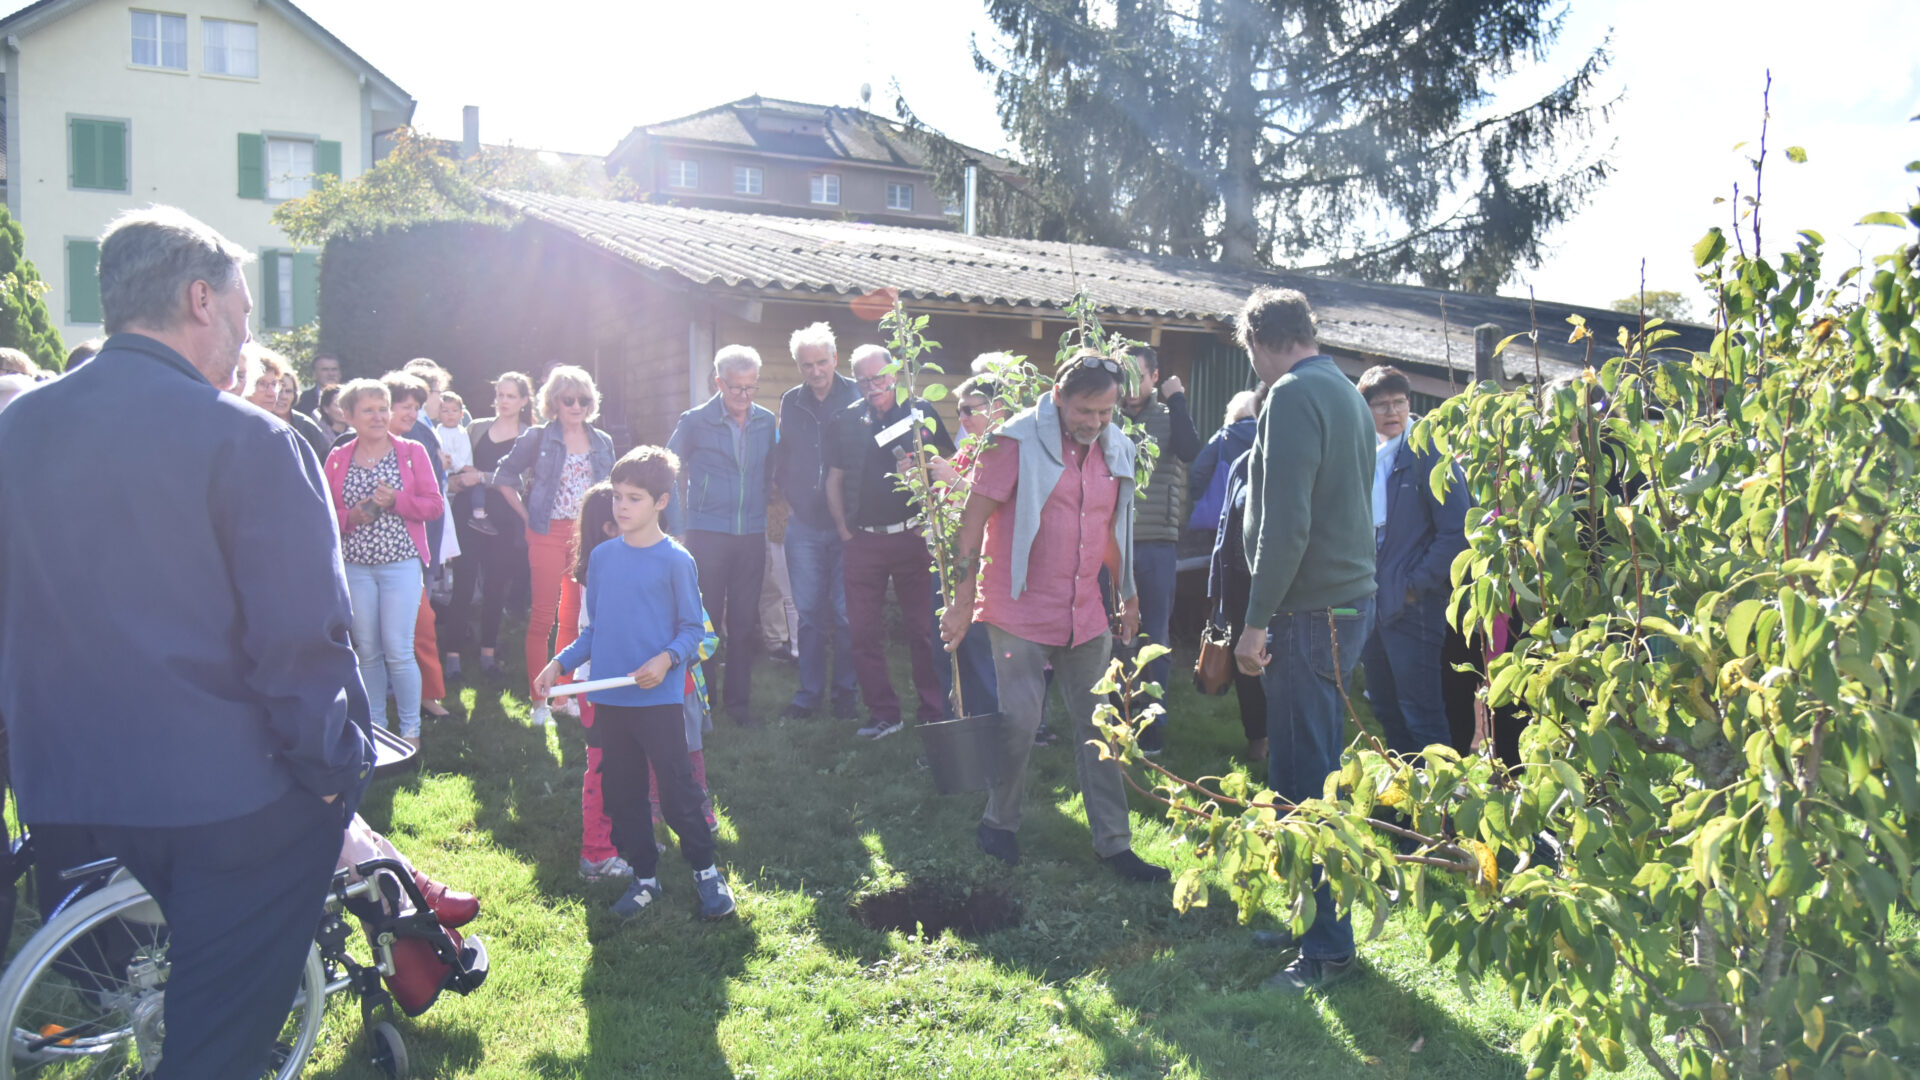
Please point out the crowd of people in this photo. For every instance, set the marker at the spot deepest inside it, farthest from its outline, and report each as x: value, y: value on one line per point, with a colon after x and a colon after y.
x: 274, y: 586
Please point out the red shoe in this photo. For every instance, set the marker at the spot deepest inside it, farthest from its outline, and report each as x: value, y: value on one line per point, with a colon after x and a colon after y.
x: 453, y: 909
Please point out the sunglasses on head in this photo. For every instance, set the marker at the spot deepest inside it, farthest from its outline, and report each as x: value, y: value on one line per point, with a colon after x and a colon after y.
x: 1094, y: 360
x: 579, y: 402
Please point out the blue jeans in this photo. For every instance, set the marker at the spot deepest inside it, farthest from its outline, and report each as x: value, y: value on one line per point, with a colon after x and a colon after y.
x: 818, y: 577
x: 1155, y: 565
x: 1404, y: 669
x: 386, y: 601
x: 1307, y: 726
x: 979, y: 687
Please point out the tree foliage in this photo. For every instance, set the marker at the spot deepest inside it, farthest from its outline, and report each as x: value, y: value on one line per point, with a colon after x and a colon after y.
x: 1268, y: 131
x: 25, y: 323
x: 1710, y: 566
x: 1667, y: 304
x: 417, y: 181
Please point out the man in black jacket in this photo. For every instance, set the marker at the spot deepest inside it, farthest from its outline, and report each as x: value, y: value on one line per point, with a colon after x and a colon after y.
x: 815, y: 562
x: 175, y: 671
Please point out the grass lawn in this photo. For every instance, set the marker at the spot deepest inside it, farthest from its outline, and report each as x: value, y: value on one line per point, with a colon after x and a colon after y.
x: 1098, y: 978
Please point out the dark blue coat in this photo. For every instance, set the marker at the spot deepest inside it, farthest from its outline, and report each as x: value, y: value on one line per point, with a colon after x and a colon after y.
x: 800, y: 455
x: 720, y: 492
x: 173, y: 611
x: 1423, y: 535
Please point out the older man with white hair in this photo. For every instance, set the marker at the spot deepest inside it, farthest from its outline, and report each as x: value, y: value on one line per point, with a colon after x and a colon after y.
x: 175, y: 672
x: 721, y: 514
x: 815, y: 562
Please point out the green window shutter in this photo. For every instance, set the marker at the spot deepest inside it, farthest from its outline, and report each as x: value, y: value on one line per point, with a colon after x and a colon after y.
x: 113, y: 154
x: 306, y: 287
x: 253, y: 166
x: 83, y: 281
x: 83, y: 154
x: 326, y: 159
x: 269, y: 288
x: 97, y: 154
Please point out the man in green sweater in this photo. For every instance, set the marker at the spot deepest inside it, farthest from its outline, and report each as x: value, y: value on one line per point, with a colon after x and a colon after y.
x: 1309, y: 544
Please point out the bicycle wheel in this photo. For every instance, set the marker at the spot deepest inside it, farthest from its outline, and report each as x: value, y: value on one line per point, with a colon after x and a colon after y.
x: 84, y: 997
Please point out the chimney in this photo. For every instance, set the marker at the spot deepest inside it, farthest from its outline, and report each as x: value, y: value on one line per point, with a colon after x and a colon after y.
x: 1486, y: 366
x: 973, y: 191
x: 469, y: 131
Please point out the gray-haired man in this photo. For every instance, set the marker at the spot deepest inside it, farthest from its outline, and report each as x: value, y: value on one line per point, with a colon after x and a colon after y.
x: 175, y: 671
x: 722, y: 513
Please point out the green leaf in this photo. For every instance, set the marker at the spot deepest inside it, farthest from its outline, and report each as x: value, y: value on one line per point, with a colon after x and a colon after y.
x: 1508, y: 340
x: 934, y: 392
x: 1797, y: 154
x: 1884, y: 217
x: 1740, y: 625
x: 1711, y: 247
x: 1190, y: 891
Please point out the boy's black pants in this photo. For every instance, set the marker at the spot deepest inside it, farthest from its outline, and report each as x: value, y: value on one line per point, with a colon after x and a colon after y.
x: 632, y: 737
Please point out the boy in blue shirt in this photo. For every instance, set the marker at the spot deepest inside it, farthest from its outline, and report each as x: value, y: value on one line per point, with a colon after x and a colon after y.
x: 644, y: 617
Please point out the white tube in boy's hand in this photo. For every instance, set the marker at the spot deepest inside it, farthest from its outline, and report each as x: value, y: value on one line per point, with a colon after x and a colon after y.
x: 590, y: 685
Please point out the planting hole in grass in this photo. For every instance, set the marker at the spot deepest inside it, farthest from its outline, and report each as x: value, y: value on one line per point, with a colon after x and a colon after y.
x: 936, y: 907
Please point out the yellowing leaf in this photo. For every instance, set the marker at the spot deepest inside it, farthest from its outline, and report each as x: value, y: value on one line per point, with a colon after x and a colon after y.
x: 1489, y: 876
x: 1816, y: 1023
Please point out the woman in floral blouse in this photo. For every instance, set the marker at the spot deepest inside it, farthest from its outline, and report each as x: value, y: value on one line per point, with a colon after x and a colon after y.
x: 559, y: 460
x: 384, y: 493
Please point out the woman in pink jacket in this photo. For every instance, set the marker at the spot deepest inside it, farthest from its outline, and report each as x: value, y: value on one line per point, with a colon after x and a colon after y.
x: 384, y: 494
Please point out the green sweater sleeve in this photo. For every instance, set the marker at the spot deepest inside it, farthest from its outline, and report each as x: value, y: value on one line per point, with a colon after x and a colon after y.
x: 1286, y: 459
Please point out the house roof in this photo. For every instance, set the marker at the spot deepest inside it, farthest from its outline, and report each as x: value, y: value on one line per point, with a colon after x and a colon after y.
x: 763, y: 253
x: 799, y: 129
x: 35, y: 15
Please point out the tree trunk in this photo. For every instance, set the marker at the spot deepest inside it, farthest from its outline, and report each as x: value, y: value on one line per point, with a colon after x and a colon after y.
x: 1239, y: 180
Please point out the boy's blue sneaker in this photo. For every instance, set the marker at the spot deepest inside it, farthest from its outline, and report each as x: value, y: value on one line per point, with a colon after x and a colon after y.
x: 716, y: 900
x: 638, y: 897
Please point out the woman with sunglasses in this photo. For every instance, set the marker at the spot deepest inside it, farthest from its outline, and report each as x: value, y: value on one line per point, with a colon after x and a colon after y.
x: 560, y: 460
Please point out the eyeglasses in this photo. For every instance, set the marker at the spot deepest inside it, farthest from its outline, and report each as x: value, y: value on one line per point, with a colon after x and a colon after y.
x: 1389, y: 405
x: 572, y: 401
x: 872, y: 380
x: 968, y: 410
x: 740, y: 391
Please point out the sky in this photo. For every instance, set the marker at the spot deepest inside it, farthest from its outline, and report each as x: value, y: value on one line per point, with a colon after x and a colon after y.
x: 577, y: 75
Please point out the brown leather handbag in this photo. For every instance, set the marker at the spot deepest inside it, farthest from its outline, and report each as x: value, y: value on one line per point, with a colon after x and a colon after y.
x: 1213, y: 671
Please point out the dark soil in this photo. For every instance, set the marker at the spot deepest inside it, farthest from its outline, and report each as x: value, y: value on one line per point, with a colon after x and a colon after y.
x: 934, y: 907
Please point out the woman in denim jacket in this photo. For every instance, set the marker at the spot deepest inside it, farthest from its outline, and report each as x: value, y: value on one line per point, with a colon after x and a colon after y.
x: 558, y: 460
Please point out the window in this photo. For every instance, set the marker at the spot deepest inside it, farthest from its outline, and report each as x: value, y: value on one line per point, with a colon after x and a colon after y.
x: 683, y: 174
x: 97, y: 154
x: 824, y: 188
x: 289, y: 288
x: 83, y: 281
x: 899, y: 196
x: 289, y: 168
x: 160, y: 41
x: 231, y: 48
x: 747, y: 180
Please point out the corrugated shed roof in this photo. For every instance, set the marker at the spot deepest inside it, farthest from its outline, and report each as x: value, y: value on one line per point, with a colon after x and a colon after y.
x: 759, y: 252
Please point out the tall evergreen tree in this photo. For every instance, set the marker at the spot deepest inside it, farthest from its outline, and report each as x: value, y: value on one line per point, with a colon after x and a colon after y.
x: 24, y: 321
x: 1354, y: 135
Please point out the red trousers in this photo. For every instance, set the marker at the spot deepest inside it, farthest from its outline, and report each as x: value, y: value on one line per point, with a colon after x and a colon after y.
x: 548, y: 557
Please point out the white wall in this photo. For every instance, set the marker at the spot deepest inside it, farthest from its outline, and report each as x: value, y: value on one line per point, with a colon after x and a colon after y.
x: 184, y: 127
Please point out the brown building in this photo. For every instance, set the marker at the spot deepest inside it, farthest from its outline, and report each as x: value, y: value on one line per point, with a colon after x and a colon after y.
x: 643, y: 294
x: 767, y: 156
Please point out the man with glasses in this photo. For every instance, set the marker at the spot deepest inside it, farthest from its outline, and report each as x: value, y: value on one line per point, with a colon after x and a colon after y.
x: 1050, y: 507
x: 721, y: 514
x: 1415, y: 539
x: 814, y: 550
x: 872, y: 443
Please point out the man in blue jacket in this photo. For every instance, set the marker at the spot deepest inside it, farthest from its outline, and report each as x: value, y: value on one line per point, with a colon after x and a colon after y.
x: 175, y: 670
x: 815, y: 560
x: 721, y: 514
x: 1416, y: 537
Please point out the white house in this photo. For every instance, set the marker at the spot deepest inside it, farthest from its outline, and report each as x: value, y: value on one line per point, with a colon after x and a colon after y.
x: 224, y: 108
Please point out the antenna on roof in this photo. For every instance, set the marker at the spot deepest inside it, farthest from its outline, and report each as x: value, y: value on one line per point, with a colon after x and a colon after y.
x: 866, y: 94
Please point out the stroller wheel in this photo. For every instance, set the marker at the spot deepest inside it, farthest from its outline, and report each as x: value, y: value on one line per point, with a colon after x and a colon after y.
x: 389, y: 1052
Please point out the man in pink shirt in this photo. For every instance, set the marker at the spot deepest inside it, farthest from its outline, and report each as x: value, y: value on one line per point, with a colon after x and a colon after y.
x: 1051, y: 504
